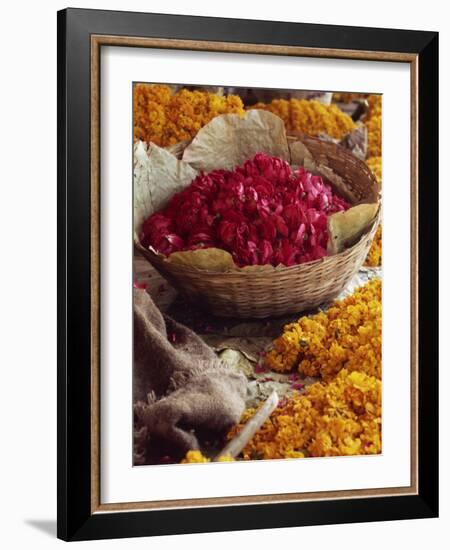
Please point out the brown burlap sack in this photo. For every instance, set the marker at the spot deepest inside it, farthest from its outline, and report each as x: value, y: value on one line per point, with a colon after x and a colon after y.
x: 180, y: 386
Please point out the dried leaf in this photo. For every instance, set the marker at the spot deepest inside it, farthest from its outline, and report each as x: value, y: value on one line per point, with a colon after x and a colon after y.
x: 229, y: 140
x: 158, y: 175
x: 237, y: 361
x: 345, y: 228
x: 252, y: 347
x: 205, y: 259
x: 356, y: 141
x: 301, y: 155
x: 339, y: 186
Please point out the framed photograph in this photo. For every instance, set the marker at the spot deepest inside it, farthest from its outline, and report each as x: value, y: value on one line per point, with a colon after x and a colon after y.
x: 247, y: 255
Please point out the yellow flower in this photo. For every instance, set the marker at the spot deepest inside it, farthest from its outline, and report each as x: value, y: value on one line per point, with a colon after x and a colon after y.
x: 165, y: 118
x: 340, y: 417
x: 374, y: 102
x: 347, y: 335
x: 373, y: 258
x: 225, y: 458
x: 373, y: 125
x: 194, y: 457
x: 347, y: 97
x: 374, y: 163
x: 310, y: 117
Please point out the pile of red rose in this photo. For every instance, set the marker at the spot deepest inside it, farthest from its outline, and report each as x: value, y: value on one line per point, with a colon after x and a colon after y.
x: 262, y: 213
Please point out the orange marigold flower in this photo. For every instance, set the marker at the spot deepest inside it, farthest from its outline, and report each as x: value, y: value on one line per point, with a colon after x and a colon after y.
x: 373, y: 125
x: 196, y: 457
x: 347, y: 335
x: 341, y: 417
x: 347, y: 97
x: 374, y: 256
x: 225, y: 458
x: 374, y: 163
x: 165, y: 117
x: 374, y: 102
x: 310, y: 116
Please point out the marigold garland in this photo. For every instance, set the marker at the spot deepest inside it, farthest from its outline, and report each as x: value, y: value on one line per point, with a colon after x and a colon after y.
x: 165, y: 117
x: 347, y: 97
x: 374, y: 163
x: 373, y: 125
x: 372, y: 119
x: 310, y: 116
x: 374, y: 102
x: 374, y: 256
x: 341, y: 417
x: 347, y: 335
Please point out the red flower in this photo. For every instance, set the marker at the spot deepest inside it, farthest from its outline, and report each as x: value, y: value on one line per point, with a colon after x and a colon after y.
x: 201, y: 239
x: 226, y: 232
x: 268, y: 228
x: 261, y: 212
x: 266, y: 253
x: 281, y: 226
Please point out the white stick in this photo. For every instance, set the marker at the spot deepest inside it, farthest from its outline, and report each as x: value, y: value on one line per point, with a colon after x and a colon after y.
x: 235, y: 446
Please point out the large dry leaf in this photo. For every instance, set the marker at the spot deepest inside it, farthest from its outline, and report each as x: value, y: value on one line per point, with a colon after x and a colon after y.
x: 252, y: 347
x: 205, y: 259
x: 356, y: 141
x: 158, y: 175
x: 237, y: 361
x: 142, y: 190
x: 215, y: 260
x: 301, y: 155
x: 346, y: 228
x: 229, y: 140
x: 339, y: 185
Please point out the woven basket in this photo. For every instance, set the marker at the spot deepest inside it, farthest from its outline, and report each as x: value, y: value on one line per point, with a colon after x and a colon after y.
x: 284, y: 290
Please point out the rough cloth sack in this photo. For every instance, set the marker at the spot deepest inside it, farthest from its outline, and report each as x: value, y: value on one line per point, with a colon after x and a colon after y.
x: 179, y: 384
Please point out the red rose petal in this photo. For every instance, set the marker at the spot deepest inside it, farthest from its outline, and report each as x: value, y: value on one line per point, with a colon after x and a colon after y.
x: 261, y: 212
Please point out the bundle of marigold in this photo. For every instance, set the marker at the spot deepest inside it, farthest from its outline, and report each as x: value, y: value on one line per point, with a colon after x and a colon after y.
x: 310, y: 117
x: 374, y: 256
x: 347, y: 97
x: 373, y: 125
x: 341, y: 417
x: 374, y: 163
x: 347, y: 336
x: 261, y: 213
x: 374, y: 102
x: 165, y: 118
